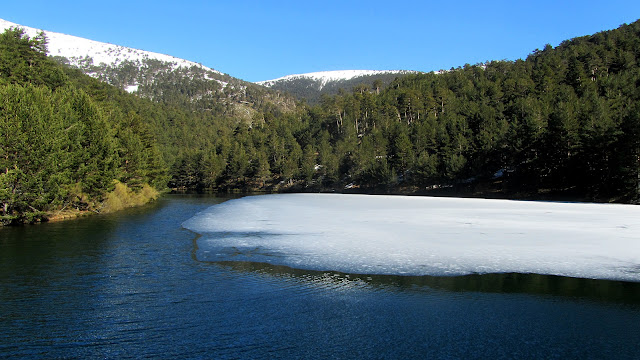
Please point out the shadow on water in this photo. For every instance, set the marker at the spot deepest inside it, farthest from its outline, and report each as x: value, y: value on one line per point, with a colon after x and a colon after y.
x: 613, y: 291
x: 505, y: 283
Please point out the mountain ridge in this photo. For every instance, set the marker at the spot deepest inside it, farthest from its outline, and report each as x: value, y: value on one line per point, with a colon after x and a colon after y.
x: 94, y: 56
x: 76, y: 49
x: 159, y: 77
x: 325, y: 77
x: 310, y: 87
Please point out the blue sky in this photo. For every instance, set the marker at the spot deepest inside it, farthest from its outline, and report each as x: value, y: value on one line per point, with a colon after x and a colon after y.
x: 262, y: 40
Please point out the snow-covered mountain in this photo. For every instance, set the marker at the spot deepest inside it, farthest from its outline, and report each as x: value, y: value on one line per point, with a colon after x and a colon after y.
x: 130, y: 69
x: 81, y: 52
x: 324, y: 77
x: 160, y: 77
x: 311, y: 86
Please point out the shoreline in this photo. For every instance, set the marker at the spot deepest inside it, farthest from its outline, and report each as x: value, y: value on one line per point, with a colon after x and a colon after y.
x: 63, y: 215
x: 481, y: 191
x: 120, y: 198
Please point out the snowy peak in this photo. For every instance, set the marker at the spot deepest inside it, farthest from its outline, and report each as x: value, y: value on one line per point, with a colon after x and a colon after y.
x: 79, y: 51
x: 159, y: 77
x: 312, y: 86
x: 324, y: 77
x: 153, y: 75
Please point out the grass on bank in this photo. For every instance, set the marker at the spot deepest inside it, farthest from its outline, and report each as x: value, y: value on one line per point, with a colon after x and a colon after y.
x: 120, y: 198
x: 123, y: 197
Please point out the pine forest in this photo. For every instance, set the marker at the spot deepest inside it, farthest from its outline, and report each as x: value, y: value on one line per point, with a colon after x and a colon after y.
x: 562, y: 124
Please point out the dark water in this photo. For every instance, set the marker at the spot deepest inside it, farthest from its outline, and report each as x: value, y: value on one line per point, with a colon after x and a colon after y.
x: 130, y: 286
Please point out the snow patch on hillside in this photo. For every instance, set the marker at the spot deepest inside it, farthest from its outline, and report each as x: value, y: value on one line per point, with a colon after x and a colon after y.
x: 132, y: 88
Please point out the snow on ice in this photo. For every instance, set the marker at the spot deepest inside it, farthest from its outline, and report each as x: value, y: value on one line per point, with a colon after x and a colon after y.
x: 366, y: 234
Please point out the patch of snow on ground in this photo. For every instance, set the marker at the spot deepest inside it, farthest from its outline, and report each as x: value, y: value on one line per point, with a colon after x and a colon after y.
x: 132, y: 88
x: 368, y: 234
x: 223, y: 84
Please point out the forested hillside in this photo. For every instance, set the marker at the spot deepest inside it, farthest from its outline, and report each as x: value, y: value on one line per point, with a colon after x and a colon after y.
x: 73, y: 142
x: 189, y: 87
x: 61, y: 148
x: 563, y: 123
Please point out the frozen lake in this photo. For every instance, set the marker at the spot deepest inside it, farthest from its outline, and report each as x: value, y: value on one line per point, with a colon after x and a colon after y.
x: 401, y: 235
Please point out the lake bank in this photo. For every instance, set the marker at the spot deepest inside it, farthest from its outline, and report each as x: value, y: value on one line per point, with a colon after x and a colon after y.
x: 485, y: 188
x: 120, y: 198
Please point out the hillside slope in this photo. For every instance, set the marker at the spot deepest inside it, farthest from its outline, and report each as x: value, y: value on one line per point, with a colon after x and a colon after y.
x: 160, y: 77
x: 84, y: 53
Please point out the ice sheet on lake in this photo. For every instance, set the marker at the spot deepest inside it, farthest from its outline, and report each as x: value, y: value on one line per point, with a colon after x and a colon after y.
x: 367, y: 234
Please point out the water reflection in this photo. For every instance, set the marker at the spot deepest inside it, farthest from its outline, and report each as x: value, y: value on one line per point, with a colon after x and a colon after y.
x: 508, y: 283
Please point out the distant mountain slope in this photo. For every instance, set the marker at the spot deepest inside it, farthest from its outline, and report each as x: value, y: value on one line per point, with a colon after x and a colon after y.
x: 159, y: 77
x: 81, y: 52
x: 325, y: 77
x: 311, y: 86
